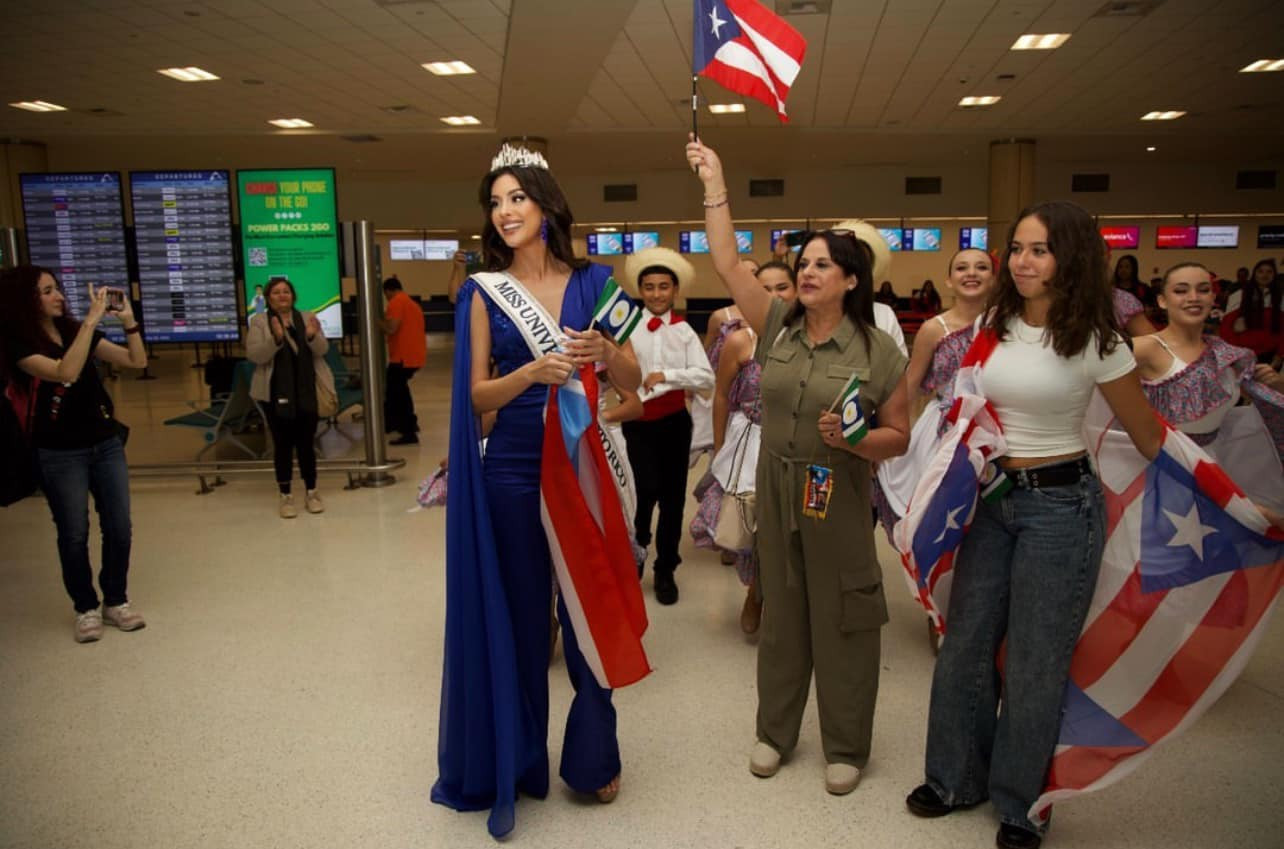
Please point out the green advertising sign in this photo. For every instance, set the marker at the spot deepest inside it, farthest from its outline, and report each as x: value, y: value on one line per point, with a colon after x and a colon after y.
x: 290, y: 229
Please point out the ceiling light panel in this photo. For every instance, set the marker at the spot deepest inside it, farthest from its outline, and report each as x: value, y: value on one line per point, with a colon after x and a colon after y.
x: 1049, y: 41
x: 1263, y: 65
x: 290, y: 123
x: 980, y: 100
x: 725, y: 108
x: 460, y: 120
x: 1170, y: 115
x: 449, y: 69
x: 190, y: 74
x: 38, y: 106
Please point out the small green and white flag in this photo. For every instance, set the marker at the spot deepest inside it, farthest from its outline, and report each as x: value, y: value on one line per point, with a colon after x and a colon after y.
x: 854, y: 425
x: 616, y: 312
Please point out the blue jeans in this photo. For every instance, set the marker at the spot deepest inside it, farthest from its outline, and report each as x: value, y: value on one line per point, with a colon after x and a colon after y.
x: 68, y: 477
x: 1025, y: 572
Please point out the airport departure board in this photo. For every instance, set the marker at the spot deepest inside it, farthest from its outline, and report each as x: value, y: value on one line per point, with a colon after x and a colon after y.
x: 186, y: 259
x: 76, y: 227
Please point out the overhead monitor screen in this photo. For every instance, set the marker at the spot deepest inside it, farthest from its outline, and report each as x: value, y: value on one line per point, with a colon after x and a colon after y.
x: 640, y: 240
x: 1122, y: 238
x: 1180, y: 236
x: 403, y: 250
x: 422, y: 249
x: 1270, y: 236
x: 76, y: 226
x: 605, y: 244
x: 777, y: 235
x: 974, y: 237
x: 1218, y: 236
x: 744, y: 241
x: 186, y: 262
x: 892, y: 235
x: 290, y: 229
x: 921, y: 239
x: 693, y: 242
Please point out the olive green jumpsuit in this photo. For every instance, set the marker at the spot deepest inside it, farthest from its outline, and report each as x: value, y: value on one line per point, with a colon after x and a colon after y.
x: 821, y: 582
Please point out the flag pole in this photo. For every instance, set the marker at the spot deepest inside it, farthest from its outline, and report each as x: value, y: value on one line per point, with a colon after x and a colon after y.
x: 695, y: 98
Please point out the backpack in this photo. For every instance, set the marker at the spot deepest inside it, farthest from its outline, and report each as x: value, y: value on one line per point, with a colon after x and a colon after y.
x: 18, y: 475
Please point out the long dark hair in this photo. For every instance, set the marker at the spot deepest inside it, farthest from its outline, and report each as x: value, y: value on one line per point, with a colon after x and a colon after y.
x: 1136, y: 273
x: 21, y: 316
x: 1082, y: 307
x: 540, y: 187
x: 855, y: 258
x: 1252, y: 305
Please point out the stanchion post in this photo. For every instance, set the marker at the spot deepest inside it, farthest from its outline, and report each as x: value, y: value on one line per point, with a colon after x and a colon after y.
x: 373, y: 354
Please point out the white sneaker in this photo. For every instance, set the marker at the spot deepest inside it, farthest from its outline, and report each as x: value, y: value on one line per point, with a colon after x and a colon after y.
x: 313, y: 503
x: 124, y: 617
x: 89, y: 626
x: 288, y: 510
x: 764, y: 761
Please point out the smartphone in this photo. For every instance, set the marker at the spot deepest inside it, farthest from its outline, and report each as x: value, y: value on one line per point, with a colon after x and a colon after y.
x: 115, y: 300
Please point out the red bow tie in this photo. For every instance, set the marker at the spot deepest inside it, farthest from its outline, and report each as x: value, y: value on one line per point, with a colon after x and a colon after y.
x: 656, y: 322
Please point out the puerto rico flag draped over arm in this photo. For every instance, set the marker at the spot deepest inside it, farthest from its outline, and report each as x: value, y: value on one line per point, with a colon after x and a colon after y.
x: 1189, y: 577
x: 743, y: 47
x: 587, y: 537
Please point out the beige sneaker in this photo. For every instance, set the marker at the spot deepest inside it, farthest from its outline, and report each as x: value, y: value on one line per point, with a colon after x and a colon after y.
x: 841, y: 779
x: 288, y: 510
x: 764, y: 761
x: 313, y: 502
x: 89, y: 626
x: 124, y: 617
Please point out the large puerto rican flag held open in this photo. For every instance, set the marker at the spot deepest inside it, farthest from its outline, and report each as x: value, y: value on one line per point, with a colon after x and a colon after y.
x: 587, y: 537
x: 742, y: 46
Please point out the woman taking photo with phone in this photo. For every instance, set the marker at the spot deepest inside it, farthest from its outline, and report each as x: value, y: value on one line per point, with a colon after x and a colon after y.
x: 49, y: 358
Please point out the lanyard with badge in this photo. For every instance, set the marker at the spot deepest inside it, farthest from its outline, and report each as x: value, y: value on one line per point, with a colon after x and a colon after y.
x: 819, y: 487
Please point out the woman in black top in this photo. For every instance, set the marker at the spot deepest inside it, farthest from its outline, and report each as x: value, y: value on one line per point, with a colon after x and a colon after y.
x: 48, y: 358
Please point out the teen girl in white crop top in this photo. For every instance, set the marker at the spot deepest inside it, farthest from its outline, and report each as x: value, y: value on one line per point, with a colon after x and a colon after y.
x: 1026, y: 568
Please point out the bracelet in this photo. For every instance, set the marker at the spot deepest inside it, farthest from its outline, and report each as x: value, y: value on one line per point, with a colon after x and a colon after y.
x: 135, y: 329
x: 715, y: 204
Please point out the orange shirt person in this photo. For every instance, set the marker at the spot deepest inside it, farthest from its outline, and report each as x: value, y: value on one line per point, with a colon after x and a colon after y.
x: 403, y: 324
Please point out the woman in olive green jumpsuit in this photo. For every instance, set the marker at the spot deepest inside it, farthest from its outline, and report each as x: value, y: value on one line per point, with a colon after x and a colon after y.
x: 821, y: 583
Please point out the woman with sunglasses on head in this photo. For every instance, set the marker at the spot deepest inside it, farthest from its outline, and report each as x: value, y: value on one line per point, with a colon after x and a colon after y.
x: 821, y: 582
x: 1196, y: 381
x: 1254, y: 316
x: 1026, y: 568
x: 52, y: 359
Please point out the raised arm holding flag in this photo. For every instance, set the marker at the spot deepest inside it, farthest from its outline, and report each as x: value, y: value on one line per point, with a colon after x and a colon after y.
x: 744, y: 47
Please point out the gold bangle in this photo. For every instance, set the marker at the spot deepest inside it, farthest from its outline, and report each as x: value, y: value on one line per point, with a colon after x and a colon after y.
x: 708, y: 205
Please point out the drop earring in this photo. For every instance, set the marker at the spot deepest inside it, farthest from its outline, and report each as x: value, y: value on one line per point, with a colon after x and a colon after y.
x: 543, y: 229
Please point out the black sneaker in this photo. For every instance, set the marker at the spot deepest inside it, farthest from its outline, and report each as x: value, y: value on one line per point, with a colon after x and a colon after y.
x: 1016, y: 837
x: 666, y: 589
x: 405, y: 439
x: 926, y: 802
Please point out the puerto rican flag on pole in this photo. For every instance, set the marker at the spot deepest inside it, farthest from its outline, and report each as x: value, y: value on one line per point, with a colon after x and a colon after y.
x: 587, y: 537
x: 1189, y: 577
x: 743, y: 47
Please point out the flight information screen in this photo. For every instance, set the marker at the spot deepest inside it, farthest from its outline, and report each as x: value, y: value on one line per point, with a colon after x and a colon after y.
x: 187, y: 276
x: 76, y: 226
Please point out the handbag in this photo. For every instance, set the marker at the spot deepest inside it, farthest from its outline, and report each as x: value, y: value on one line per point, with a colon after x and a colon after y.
x: 19, y: 476
x: 327, y: 398
x: 737, y: 521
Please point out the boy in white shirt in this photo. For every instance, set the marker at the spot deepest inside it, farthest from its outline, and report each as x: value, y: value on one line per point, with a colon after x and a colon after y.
x: 673, y: 363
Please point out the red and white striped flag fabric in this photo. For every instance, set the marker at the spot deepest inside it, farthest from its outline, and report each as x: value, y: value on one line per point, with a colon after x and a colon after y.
x: 744, y: 47
x: 587, y: 536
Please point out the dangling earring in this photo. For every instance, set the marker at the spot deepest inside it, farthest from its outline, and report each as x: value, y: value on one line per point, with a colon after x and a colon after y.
x: 543, y: 229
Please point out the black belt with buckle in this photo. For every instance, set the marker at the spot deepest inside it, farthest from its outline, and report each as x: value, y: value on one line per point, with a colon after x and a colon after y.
x: 1060, y: 474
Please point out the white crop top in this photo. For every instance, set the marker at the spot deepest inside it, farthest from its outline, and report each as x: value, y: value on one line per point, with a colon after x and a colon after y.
x: 1041, y: 398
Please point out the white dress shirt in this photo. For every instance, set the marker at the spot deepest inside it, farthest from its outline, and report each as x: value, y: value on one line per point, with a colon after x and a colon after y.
x: 886, y: 321
x: 675, y: 351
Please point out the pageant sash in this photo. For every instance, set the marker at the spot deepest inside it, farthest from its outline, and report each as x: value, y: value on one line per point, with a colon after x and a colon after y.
x: 536, y: 325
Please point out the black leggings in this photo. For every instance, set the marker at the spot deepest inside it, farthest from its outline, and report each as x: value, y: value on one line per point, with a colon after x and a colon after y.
x: 290, y: 435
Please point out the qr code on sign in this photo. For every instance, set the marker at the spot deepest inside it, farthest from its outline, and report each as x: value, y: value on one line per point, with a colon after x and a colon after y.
x: 258, y: 257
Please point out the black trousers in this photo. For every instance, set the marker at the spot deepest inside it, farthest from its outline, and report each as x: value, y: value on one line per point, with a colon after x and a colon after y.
x: 291, y: 436
x: 659, y: 452
x: 398, y: 406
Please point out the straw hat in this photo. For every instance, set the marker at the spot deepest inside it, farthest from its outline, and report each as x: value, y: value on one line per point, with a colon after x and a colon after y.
x: 663, y: 257
x: 867, y: 233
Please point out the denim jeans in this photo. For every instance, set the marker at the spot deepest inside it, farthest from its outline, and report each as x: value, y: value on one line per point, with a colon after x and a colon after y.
x: 1025, y: 572
x: 68, y: 477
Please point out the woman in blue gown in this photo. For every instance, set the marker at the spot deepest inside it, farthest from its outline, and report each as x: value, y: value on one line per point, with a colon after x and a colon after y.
x: 499, y: 581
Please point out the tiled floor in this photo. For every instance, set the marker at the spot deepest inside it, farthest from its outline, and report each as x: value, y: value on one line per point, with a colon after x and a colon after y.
x: 284, y: 694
